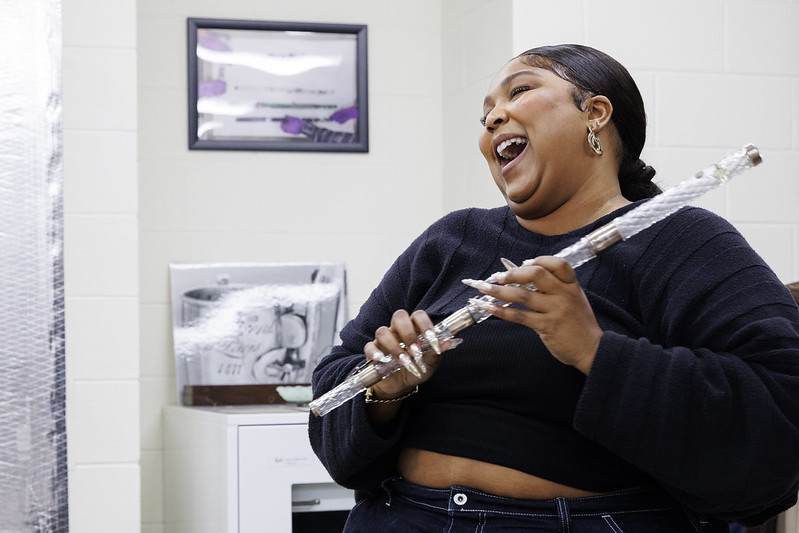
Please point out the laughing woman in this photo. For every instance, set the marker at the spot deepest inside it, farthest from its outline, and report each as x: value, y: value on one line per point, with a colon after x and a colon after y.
x: 653, y: 389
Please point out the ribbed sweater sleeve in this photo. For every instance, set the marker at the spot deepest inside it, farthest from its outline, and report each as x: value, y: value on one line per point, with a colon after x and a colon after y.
x: 707, y: 403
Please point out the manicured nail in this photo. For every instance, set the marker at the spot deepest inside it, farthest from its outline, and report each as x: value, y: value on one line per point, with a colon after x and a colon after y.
x: 481, y: 305
x: 432, y: 339
x: 476, y: 284
x: 409, y: 366
x: 507, y: 263
x: 380, y: 357
x: 497, y: 277
x: 418, y: 358
x: 454, y: 342
x: 500, y: 277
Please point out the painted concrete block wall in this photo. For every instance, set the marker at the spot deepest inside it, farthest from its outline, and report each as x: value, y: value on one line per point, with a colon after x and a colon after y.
x: 101, y: 264
x: 718, y: 74
x: 216, y: 206
x: 477, y: 39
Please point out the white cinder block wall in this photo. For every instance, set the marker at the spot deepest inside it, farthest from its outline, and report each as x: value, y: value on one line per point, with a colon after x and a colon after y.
x: 101, y: 265
x: 209, y: 206
x: 714, y: 74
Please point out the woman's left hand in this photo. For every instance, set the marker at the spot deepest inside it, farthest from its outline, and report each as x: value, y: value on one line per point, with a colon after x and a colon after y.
x: 557, y: 310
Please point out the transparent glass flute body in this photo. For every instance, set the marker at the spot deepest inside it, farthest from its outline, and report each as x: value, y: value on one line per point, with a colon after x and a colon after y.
x: 587, y: 248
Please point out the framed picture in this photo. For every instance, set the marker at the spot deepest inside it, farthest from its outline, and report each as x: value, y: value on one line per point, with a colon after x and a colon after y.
x: 257, y: 85
x: 253, y: 332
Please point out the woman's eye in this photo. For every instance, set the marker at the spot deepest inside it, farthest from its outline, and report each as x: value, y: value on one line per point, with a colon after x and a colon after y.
x: 483, y: 121
x: 518, y: 90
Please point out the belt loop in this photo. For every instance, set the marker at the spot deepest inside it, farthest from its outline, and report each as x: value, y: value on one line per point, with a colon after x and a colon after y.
x: 563, y: 513
x: 386, y: 486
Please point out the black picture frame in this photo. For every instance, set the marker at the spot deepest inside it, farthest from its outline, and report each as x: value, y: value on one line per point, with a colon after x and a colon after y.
x: 286, y: 86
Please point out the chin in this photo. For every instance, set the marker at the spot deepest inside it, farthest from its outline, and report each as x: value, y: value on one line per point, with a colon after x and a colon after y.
x: 521, y: 202
x: 522, y: 211
x: 528, y: 212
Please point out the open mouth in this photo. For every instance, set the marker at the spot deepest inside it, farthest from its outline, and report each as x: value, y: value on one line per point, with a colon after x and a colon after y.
x: 510, y: 149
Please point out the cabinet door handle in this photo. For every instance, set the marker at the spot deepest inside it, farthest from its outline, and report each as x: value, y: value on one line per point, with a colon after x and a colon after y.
x: 305, y: 503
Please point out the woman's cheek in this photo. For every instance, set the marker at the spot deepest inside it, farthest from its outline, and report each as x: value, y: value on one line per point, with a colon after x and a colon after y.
x: 486, y: 146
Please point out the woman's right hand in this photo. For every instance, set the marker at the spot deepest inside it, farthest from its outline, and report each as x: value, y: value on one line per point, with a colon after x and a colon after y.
x: 400, y: 341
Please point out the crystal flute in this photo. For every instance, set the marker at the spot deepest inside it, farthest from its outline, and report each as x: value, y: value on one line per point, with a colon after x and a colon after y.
x: 619, y: 229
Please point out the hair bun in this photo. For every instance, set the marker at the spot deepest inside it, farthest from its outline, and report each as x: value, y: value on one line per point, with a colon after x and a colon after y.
x: 636, y: 181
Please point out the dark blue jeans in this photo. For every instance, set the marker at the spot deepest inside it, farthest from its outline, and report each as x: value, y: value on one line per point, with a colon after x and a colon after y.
x: 407, y: 508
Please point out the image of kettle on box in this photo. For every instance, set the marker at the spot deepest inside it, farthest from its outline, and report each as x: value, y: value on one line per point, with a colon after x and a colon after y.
x: 253, y: 333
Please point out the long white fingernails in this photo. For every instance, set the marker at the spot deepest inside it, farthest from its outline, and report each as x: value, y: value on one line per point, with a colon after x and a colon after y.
x: 481, y: 306
x: 432, y: 340
x: 409, y: 366
x: 507, y: 263
x: 380, y: 357
x: 418, y: 358
x: 497, y: 277
x: 476, y: 284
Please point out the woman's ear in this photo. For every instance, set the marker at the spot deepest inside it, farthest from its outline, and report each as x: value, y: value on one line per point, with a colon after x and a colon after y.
x: 599, y: 111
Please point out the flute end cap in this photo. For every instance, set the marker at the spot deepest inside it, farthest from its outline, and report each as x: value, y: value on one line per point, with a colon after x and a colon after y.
x: 753, y: 154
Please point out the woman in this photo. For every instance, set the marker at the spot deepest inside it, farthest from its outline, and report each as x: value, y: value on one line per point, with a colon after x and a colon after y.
x: 652, y: 389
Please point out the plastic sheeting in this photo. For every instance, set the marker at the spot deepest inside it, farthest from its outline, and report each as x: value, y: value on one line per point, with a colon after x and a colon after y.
x: 33, y: 468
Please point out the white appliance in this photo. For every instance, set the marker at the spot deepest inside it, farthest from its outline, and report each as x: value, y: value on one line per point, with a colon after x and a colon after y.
x: 242, y: 469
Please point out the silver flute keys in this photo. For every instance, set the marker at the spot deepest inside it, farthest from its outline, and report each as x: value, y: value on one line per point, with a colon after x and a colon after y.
x: 619, y: 229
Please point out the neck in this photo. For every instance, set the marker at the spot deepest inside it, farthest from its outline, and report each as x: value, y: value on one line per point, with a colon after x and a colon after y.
x: 575, y: 213
x: 610, y: 205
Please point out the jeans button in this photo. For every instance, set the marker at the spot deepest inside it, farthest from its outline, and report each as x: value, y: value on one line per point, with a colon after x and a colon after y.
x: 460, y: 498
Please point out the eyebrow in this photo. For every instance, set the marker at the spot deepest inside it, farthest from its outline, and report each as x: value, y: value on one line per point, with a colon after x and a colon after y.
x: 507, y: 81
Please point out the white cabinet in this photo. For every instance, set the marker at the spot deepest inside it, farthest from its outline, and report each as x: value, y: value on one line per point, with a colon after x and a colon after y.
x: 242, y: 470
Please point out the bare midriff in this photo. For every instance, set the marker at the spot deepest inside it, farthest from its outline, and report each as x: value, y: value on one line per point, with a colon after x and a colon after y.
x: 438, y: 471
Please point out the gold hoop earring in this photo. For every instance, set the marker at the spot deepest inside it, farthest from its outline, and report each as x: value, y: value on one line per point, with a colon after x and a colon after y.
x: 593, y: 142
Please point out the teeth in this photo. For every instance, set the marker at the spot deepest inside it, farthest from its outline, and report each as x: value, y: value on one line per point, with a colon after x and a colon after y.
x: 521, y: 141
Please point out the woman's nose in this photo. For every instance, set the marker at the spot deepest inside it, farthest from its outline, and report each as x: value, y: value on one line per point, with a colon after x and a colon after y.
x: 496, y: 117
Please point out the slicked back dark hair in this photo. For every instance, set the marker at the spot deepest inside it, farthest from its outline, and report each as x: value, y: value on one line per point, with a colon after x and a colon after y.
x: 594, y: 73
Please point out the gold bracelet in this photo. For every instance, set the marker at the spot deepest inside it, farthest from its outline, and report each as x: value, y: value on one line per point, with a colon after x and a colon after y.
x: 369, y: 398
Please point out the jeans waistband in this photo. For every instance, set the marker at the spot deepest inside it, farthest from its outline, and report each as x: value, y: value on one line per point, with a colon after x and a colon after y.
x: 464, y: 499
